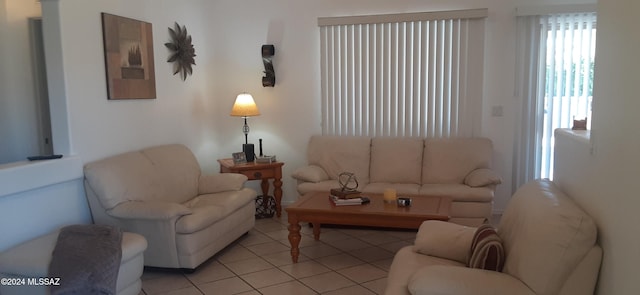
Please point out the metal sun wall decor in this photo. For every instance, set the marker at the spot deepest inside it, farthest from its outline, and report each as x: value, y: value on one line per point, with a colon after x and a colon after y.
x: 183, y: 52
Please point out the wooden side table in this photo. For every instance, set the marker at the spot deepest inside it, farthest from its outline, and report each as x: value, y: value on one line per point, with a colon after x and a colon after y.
x: 259, y: 171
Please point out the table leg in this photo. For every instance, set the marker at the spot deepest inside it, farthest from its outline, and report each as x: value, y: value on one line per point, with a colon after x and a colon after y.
x: 294, y: 239
x: 265, y: 193
x: 277, y: 193
x: 316, y: 231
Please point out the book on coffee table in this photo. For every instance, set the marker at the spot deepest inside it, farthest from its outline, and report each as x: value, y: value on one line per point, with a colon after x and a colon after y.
x: 344, y: 194
x: 346, y: 202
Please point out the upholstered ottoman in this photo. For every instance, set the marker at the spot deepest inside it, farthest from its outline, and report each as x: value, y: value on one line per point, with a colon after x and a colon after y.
x: 31, y: 260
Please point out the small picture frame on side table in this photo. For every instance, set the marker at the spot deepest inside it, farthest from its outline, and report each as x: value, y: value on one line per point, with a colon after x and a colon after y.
x: 239, y: 158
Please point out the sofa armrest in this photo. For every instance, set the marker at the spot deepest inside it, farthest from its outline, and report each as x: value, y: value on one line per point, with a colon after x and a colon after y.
x: 445, y: 240
x: 149, y: 210
x: 482, y: 177
x: 311, y: 173
x: 456, y: 280
x: 215, y: 183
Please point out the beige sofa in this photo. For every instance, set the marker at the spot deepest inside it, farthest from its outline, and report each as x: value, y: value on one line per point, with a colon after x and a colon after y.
x: 160, y: 193
x: 549, y: 248
x: 456, y: 167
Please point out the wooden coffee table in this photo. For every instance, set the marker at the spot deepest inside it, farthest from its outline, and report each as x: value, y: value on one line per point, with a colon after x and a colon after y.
x: 316, y: 208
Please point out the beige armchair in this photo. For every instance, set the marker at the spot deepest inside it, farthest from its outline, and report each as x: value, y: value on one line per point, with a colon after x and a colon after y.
x: 160, y: 193
x: 549, y: 248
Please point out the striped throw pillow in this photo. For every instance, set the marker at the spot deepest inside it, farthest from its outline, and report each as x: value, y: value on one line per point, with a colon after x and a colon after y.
x: 486, y: 249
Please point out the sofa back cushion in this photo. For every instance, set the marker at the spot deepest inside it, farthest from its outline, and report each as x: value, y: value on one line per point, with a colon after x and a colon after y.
x: 121, y: 178
x: 449, y: 160
x: 176, y: 170
x: 167, y: 173
x: 337, y: 154
x: 545, y: 236
x: 396, y: 159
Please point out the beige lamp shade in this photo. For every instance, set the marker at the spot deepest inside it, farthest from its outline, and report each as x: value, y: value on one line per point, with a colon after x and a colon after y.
x: 245, y: 106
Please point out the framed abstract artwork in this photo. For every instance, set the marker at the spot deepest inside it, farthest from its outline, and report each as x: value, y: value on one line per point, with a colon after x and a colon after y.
x: 128, y: 56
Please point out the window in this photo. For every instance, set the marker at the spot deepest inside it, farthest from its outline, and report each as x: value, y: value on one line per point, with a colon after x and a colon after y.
x: 416, y: 74
x: 555, y: 81
x: 570, y: 51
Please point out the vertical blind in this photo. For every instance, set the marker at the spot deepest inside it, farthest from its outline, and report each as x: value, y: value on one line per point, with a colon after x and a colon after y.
x: 570, y: 53
x: 414, y: 74
x: 555, y: 59
x: 528, y: 142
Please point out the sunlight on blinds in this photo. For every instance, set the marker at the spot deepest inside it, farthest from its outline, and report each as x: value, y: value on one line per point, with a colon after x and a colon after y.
x: 408, y: 78
x: 554, y: 84
x: 570, y: 52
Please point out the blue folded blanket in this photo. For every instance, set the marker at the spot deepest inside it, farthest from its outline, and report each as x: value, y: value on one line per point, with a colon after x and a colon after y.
x: 86, y: 259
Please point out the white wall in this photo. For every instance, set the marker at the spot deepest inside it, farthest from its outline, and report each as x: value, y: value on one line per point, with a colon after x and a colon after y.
x: 38, y: 197
x: 182, y: 111
x: 602, y: 174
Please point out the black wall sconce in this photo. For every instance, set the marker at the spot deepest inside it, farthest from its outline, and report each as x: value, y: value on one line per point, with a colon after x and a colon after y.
x: 269, y: 80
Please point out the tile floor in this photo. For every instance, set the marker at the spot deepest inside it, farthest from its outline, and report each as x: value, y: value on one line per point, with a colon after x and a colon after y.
x: 345, y: 261
x: 351, y: 261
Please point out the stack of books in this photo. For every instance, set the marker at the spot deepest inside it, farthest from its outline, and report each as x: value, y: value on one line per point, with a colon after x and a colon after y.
x: 344, y: 194
x: 346, y: 202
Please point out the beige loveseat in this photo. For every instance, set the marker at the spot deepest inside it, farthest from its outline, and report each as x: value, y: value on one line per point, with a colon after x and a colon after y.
x: 456, y: 167
x: 549, y: 249
x: 160, y: 193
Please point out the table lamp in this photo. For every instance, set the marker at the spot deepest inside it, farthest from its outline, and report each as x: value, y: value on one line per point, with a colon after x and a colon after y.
x: 246, y: 107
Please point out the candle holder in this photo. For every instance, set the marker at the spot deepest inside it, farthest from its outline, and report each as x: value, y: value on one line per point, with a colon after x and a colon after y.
x: 390, y: 196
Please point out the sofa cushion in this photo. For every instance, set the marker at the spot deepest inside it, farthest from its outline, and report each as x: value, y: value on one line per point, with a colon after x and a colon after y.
x: 148, y: 210
x: 458, y: 192
x: 401, y: 188
x: 125, y: 177
x: 482, y: 177
x: 486, y: 249
x: 444, y: 239
x: 396, y: 159
x: 176, y: 170
x: 405, y: 264
x: 207, y: 209
x: 337, y: 154
x: 545, y: 235
x: 221, y: 182
x: 310, y: 173
x: 448, y: 280
x: 450, y: 160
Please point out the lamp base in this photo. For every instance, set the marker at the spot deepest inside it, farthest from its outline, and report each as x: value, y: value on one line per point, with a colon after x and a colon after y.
x: 249, y: 153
